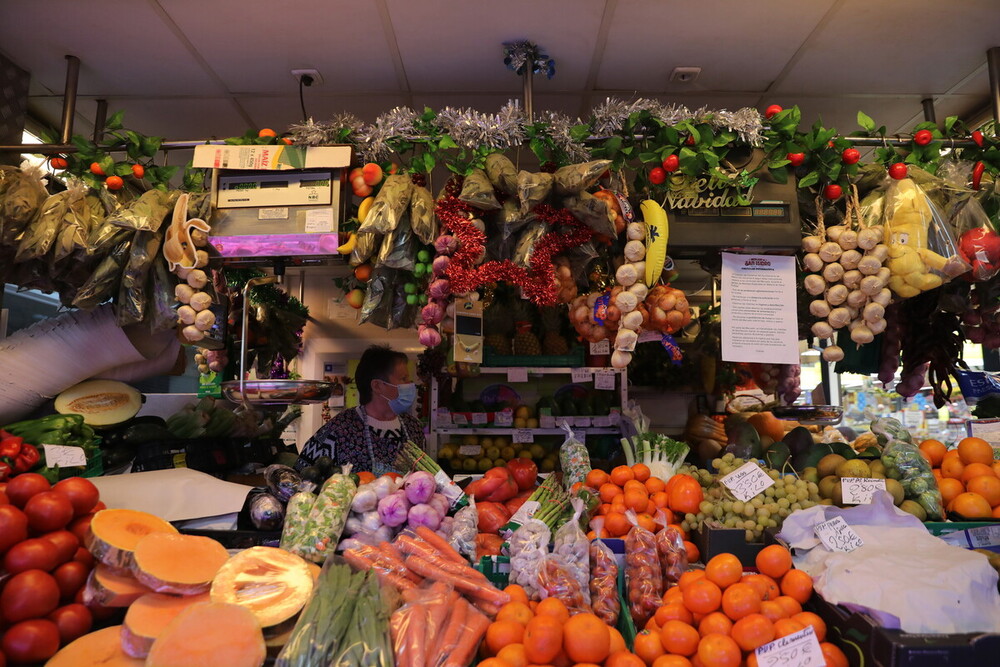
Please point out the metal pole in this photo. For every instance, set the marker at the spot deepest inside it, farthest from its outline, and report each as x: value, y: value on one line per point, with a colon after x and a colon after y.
x: 993, y: 64
x: 100, y: 118
x: 528, y: 92
x: 928, y: 104
x: 69, y: 97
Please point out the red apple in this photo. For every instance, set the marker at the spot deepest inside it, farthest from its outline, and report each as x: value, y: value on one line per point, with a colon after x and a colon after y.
x: 355, y: 298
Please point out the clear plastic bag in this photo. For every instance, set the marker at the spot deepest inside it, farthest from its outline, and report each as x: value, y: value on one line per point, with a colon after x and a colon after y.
x: 422, y: 218
x: 398, y: 249
x: 390, y: 204
x: 366, y: 246
x: 41, y: 232
x: 571, y: 543
x: 22, y: 192
x: 478, y: 191
x: 604, y: 583
x: 76, y: 223
x: 525, y: 247
x: 464, y: 530
x: 557, y: 578
x: 643, y: 575
x: 673, y: 555
x: 593, y: 212
x: 367, y: 639
x: 377, y: 306
x: 533, y: 189
x: 104, y: 281
x: 509, y: 219
x: 904, y: 462
x: 978, y: 242
x: 574, y: 459
x: 528, y: 547
x: 132, y: 301
x: 574, y: 178
x: 162, y: 315
x: 146, y: 213
x: 502, y: 173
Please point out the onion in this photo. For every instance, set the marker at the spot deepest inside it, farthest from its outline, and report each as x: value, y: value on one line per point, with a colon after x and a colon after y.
x: 428, y: 335
x: 183, y: 293
x: 839, y: 318
x: 626, y: 301
x: 192, y: 333
x: 440, y: 265
x: 812, y: 263
x: 851, y: 279
x: 197, y: 278
x: 856, y: 299
x: 873, y: 311
x: 186, y: 314
x: 204, y: 320
x: 626, y: 275
x: 200, y: 301
x: 439, y: 289
x: 833, y: 233
x: 620, y: 359
x: 634, y: 251
x: 830, y: 252
x: 869, y: 265
x: 811, y: 244
x: 432, y: 313
x: 877, y: 326
x: 636, y: 231
x: 814, y: 284
x: 632, y: 320
x: 869, y: 238
x: 640, y: 290
x: 626, y: 339
x: 862, y: 335
x: 819, y: 308
x: 822, y: 330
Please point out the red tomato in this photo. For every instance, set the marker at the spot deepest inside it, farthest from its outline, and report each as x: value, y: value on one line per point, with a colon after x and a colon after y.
x: 657, y: 175
x: 70, y: 577
x: 48, y: 511
x: 4, y: 500
x: 82, y: 494
x: 772, y: 111
x: 24, y: 486
x: 66, y: 542
x: 685, y: 495
x: 13, y: 527
x: 31, y: 641
x: 84, y: 556
x: 33, y: 554
x: 73, y: 620
x: 31, y: 594
x: 897, y: 171
x: 80, y: 526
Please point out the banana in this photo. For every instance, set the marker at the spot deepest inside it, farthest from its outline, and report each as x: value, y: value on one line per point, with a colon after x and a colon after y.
x: 348, y: 247
x: 657, y: 230
x: 364, y: 207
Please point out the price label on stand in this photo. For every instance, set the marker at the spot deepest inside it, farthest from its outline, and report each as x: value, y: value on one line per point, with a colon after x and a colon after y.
x: 984, y: 536
x: 471, y: 450
x: 582, y: 375
x: 604, y: 378
x: 747, y: 481
x: 601, y: 347
x: 504, y: 418
x: 799, y: 649
x: 859, y: 490
x: 523, y: 436
x: 836, y: 535
x: 459, y: 419
x: 443, y: 417
x: 517, y: 375
x: 446, y: 487
x: 478, y: 417
x: 64, y: 457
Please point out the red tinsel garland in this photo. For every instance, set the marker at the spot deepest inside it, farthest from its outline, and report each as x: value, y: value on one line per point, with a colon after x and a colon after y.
x: 538, y: 283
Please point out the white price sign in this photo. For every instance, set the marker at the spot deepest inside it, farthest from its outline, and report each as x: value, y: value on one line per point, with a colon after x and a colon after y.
x: 517, y: 375
x: 604, y: 378
x: 859, y: 490
x: 836, y: 535
x: 64, y: 457
x: 470, y: 450
x: 523, y: 436
x: 747, y: 481
x: 800, y: 649
x: 601, y: 347
x: 443, y: 416
x: 478, y: 417
x: 525, y: 511
x: 459, y: 419
x: 581, y: 375
x: 504, y: 418
x: 984, y: 536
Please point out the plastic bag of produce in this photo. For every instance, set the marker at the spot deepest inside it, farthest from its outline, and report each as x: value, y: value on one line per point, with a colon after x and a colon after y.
x: 670, y: 547
x: 904, y: 462
x: 377, y: 306
x: 502, y: 173
x: 478, y: 191
x: 22, y: 192
x: 643, y: 574
x: 131, y: 305
x: 593, y: 212
x: 76, y: 223
x: 391, y: 202
x: 574, y: 178
x: 161, y: 316
x: 571, y: 543
x: 604, y: 583
x: 557, y: 578
x: 326, y: 519
x: 366, y: 246
x: 533, y: 189
x: 146, y: 213
x: 422, y: 218
x: 574, y: 459
x: 398, y: 250
x: 525, y: 247
x: 528, y: 547
x: 978, y: 242
x: 41, y: 232
x: 509, y: 219
x: 464, y: 530
x: 104, y: 281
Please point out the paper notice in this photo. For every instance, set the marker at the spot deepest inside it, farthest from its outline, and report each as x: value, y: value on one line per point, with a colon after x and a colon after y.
x: 582, y: 375
x: 319, y: 220
x: 64, y: 457
x: 601, y: 347
x: 604, y: 378
x: 799, y: 649
x: 759, y: 320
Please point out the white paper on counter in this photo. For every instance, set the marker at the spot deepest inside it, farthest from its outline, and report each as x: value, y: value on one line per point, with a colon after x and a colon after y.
x: 903, y: 576
x: 173, y: 495
x: 759, y: 318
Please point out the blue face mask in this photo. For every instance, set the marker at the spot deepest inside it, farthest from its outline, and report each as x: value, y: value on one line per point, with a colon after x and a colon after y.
x: 405, y: 398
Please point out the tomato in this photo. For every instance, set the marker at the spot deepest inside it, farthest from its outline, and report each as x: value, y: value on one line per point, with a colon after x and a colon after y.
x: 897, y: 171
x: 98, y: 507
x: 24, y: 486
x: 797, y: 159
x: 850, y: 156
x: 31, y: 594
x: 31, y: 641
x: 66, y: 542
x: 138, y: 171
x: 34, y: 554
x: 832, y: 192
x: 923, y: 137
x: 772, y: 111
x: 70, y: 577
x: 73, y: 620
x: 657, y: 175
x: 48, y: 511
x: 13, y: 527
x: 671, y: 163
x: 80, y: 526
x: 82, y: 494
x: 84, y: 556
x: 686, y: 495
x: 4, y: 500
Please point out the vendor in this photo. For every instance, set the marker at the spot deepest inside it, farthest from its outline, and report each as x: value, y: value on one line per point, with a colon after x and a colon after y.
x: 369, y: 436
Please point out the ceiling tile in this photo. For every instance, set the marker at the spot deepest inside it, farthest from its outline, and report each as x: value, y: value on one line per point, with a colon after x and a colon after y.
x: 280, y: 112
x: 447, y: 45
x: 124, y: 47
x: 182, y: 120
x: 734, y: 43
x: 256, y: 53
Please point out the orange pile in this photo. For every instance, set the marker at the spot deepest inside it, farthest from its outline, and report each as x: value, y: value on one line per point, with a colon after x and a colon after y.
x: 968, y: 477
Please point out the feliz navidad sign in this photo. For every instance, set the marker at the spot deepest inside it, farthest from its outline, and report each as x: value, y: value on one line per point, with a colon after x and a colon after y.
x: 711, y: 192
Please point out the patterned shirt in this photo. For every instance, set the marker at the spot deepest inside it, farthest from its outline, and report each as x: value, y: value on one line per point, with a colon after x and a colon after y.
x: 343, y: 440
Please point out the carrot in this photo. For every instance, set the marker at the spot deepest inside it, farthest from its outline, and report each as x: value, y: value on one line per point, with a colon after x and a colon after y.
x: 438, y: 613
x: 416, y: 632
x: 210, y: 633
x: 362, y: 562
x: 454, y: 628
x: 416, y: 547
x: 395, y: 556
x: 455, y: 568
x: 475, y: 628
x: 488, y: 608
x: 439, y: 543
x: 463, y: 583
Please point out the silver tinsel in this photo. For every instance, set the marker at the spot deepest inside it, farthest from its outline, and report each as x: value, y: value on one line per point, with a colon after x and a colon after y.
x: 609, y: 117
x: 311, y: 133
x: 559, y: 126
x: 373, y: 140
x: 469, y: 128
x: 745, y: 122
x: 518, y: 56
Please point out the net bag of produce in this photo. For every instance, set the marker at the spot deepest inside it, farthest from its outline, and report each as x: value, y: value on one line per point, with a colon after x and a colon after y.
x: 528, y: 547
x: 502, y: 173
x: 978, y: 241
x: 571, y: 544
x: 391, y: 202
x: 41, y: 232
x: 76, y: 223
x: 22, y: 192
x: 643, y: 574
x: 464, y: 530
x: 478, y: 191
x: 132, y: 294
x: 557, y: 579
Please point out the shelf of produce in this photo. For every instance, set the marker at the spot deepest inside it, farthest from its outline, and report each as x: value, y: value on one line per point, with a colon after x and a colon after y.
x: 507, y: 430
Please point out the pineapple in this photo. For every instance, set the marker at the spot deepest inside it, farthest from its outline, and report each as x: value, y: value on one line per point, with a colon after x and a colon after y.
x: 553, y: 343
x: 498, y: 326
x: 525, y: 341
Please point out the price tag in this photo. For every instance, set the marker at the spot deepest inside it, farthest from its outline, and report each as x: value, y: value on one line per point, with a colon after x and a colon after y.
x: 649, y: 336
x: 601, y: 347
x: 523, y: 436
x: 504, y: 418
x: 984, y: 536
x: 517, y: 375
x: 446, y: 487
x: 459, y: 419
x: 836, y: 535
x: 799, y: 649
x: 279, y: 213
x: 747, y: 481
x: 604, y: 378
x: 470, y: 450
x: 64, y: 457
x: 859, y: 490
x: 443, y: 416
x: 547, y: 421
x: 602, y: 422
x: 581, y: 375
x: 478, y: 417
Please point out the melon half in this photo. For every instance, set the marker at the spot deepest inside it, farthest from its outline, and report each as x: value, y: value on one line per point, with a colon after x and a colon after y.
x: 100, y: 402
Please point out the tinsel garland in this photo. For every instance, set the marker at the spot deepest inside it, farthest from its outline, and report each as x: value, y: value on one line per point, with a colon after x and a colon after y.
x: 537, y: 283
x: 470, y: 128
x: 519, y: 56
x: 558, y: 126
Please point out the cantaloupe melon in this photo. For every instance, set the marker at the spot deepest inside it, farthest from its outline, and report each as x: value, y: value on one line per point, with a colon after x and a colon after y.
x: 210, y: 634
x: 102, y: 648
x: 178, y: 564
x: 272, y: 583
x: 149, y: 616
x: 100, y: 402
x: 114, y: 533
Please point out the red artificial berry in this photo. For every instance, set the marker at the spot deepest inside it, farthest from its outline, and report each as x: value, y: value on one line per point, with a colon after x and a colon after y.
x: 772, y: 111
x: 797, y: 159
x: 671, y: 163
x: 690, y: 140
x: 657, y: 175
x: 923, y: 137
x: 138, y: 171
x: 95, y: 168
x: 898, y: 171
x: 977, y: 137
x: 832, y: 192
x: 114, y: 182
x: 850, y: 156
x: 58, y: 163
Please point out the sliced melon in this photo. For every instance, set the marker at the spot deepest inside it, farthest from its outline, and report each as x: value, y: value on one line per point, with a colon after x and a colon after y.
x: 148, y: 616
x: 113, y: 535
x: 179, y: 564
x: 210, y: 634
x: 100, y: 402
x: 108, y: 588
x: 270, y: 582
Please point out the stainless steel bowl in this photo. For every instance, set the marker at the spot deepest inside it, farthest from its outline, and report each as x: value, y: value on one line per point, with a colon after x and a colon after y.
x: 278, y: 392
x: 822, y: 415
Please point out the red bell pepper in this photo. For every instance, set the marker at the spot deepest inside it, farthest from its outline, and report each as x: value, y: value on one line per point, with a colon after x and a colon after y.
x: 10, y: 446
x: 525, y: 473
x: 27, y: 459
x: 496, y: 486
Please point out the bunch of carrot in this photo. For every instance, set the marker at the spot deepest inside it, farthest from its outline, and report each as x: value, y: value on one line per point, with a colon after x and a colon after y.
x: 436, y: 627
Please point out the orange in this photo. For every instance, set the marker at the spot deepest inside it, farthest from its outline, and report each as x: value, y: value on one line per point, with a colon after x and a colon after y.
x: 513, y: 655
x: 608, y: 492
x: 949, y: 488
x: 660, y: 498
x: 624, y: 659
x: 617, y: 642
x: 774, y: 561
x: 772, y: 610
x: 673, y: 594
x: 692, y: 551
x: 798, y: 585
x: 363, y: 272
x: 996, y: 512
x: 786, y: 626
x: 716, y: 622
x: 740, y: 600
x: 646, y: 521
x: 996, y: 468
x: 516, y: 593
x: 976, y: 470
x: 664, y: 515
x: 636, y: 500
x: 951, y: 453
x: 679, y: 638
x: 543, y: 639
x: 673, y: 611
x: 494, y: 662
x: 618, y: 504
x: 724, y: 570
x: 515, y: 611
x: 809, y: 618
x: 937, y: 474
x: 652, y: 625
x: 603, y: 509
x: 267, y: 132
x: 971, y: 506
x: 652, y: 509
x: 952, y: 467
x: 364, y: 477
x: 634, y: 484
x: 553, y: 608
x: 833, y: 655
x: 616, y: 524
x: 502, y: 633
x: 987, y: 486
x: 789, y: 604
x: 671, y: 661
x: 641, y: 472
x: 690, y: 577
x: 702, y: 596
x: 753, y: 631
x: 648, y: 646
x: 975, y: 450
x: 655, y: 485
x: 586, y: 638
x: 719, y: 651
x: 677, y: 527
x: 765, y: 586
x: 621, y: 474
x: 933, y: 451
x: 597, y: 478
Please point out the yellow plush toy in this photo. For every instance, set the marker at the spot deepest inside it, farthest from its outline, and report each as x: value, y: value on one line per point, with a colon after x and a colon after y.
x: 915, y: 268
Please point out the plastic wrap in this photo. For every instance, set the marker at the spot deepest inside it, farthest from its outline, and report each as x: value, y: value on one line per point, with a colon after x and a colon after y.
x: 643, y: 575
x: 502, y: 173
x: 365, y: 247
x: 132, y: 297
x: 978, y: 242
x: 509, y: 219
x: 76, y: 223
x: 904, y: 462
x: 22, y: 192
x: 533, y: 189
x: 557, y: 578
x: 574, y: 459
x: 398, y: 250
x: 528, y: 547
x: 367, y: 640
x: 41, y: 232
x: 673, y: 555
x: 104, y: 281
x: 478, y: 191
x: 572, y: 546
x: 161, y: 316
x: 525, y: 247
x: 604, y: 583
x: 147, y: 212
x: 464, y: 530
x: 378, y: 304
x: 326, y: 519
x: 593, y: 212
x: 574, y: 178
x: 390, y: 204
x: 422, y: 218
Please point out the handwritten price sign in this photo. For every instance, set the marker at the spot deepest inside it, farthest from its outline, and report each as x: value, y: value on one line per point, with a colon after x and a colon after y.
x: 523, y: 436
x: 836, y: 535
x: 859, y: 490
x: 747, y: 481
x: 800, y: 649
